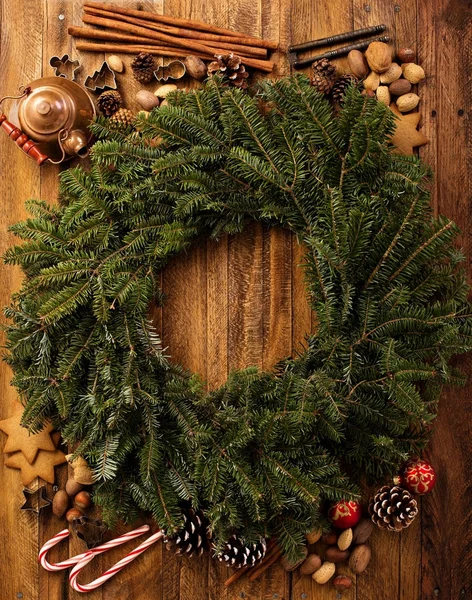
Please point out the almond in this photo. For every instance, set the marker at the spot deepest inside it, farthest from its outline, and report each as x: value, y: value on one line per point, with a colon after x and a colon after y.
x: 393, y: 73
x: 360, y: 558
x: 358, y: 64
x: 324, y: 573
x: 407, y: 102
x: 345, y: 539
x: 312, y: 563
x: 362, y: 531
x: 400, y: 87
x: 335, y: 555
x: 313, y: 536
x: 379, y: 56
x: 372, y: 82
x: 414, y: 73
x: 115, y: 63
x: 162, y: 91
x: 383, y: 94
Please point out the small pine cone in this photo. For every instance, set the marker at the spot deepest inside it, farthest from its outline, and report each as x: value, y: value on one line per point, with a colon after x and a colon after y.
x: 393, y: 508
x: 229, y: 67
x: 123, y: 116
x: 109, y: 102
x: 193, y: 537
x: 143, y: 67
x: 323, y: 75
x: 340, y: 86
x: 238, y: 554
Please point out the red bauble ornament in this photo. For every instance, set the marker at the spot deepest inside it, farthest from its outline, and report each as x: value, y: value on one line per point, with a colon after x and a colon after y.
x: 418, y: 476
x: 345, y: 514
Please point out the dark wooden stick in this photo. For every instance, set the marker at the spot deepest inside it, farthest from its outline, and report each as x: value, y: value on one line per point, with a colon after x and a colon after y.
x: 337, y: 39
x: 115, y: 36
x: 262, y: 65
x: 180, y: 31
x: 176, y: 21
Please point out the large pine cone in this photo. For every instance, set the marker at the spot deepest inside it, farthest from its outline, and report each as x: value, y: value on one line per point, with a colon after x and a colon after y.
x: 237, y: 554
x: 340, y: 86
x: 393, y: 508
x: 194, y: 536
x: 229, y: 67
x: 323, y: 75
x: 123, y: 116
x: 109, y: 102
x: 143, y: 67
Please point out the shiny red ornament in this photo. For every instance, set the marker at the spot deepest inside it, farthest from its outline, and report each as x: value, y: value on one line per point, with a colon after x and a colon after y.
x: 345, y: 514
x: 418, y: 476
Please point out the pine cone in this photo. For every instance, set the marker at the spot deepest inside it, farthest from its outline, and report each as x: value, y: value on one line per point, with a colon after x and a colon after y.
x: 237, y: 554
x: 193, y: 537
x: 323, y: 75
x: 109, y: 102
x: 143, y: 67
x: 340, y: 86
x: 393, y: 508
x: 229, y: 67
x: 123, y: 116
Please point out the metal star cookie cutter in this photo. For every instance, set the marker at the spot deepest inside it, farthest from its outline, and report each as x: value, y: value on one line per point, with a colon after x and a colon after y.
x: 102, y: 79
x: 174, y: 70
x: 65, y: 67
x: 35, y: 500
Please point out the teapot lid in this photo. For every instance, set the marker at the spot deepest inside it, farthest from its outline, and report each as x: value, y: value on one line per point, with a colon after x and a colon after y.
x: 46, y: 110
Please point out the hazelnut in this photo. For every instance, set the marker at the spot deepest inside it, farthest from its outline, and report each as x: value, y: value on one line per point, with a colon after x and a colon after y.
x: 83, y: 500
x: 406, y: 55
x: 342, y: 583
x: 73, y: 513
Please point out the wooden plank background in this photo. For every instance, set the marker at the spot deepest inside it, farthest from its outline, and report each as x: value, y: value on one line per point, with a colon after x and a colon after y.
x: 242, y: 301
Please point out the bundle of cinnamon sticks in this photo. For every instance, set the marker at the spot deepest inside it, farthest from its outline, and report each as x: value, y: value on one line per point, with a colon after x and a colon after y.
x: 132, y: 31
x: 273, y: 554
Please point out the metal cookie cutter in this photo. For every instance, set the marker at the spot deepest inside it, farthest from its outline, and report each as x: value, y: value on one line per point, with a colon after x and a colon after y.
x: 65, y: 67
x: 174, y: 70
x: 101, y: 79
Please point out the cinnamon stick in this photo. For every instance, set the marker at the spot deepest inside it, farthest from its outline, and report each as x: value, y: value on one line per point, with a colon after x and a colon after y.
x: 176, y: 21
x: 257, y: 571
x: 240, y: 572
x: 179, y: 31
x: 130, y: 49
x: 114, y: 36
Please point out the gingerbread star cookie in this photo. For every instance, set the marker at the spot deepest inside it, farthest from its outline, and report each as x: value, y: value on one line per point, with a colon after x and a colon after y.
x: 406, y: 137
x: 19, y: 437
x: 42, y: 467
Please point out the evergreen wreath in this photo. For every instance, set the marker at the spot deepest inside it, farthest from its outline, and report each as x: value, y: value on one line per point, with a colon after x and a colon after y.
x: 262, y: 454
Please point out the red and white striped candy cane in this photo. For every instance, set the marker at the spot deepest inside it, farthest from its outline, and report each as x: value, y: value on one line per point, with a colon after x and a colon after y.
x: 88, y: 587
x: 75, y: 559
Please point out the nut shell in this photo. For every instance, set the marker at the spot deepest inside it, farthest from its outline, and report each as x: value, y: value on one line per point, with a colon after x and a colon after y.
x: 379, y: 56
x: 83, y: 500
x: 383, y: 95
x: 60, y: 503
x: 372, y: 82
x: 314, y: 536
x: 360, y: 558
x: 73, y: 513
x: 324, y: 573
x: 414, y: 73
x: 393, y: 73
x: 196, y: 68
x: 335, y: 555
x: 342, y: 583
x: 358, y: 64
x: 400, y: 87
x: 407, y: 102
x: 345, y: 539
x: 115, y: 63
x: 362, y: 531
x: 330, y: 538
x: 162, y: 91
x: 311, y: 564
x: 406, y: 55
x: 147, y: 99
x: 291, y: 566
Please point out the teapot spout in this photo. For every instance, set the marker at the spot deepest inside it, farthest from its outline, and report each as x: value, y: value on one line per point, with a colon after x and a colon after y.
x: 76, y: 144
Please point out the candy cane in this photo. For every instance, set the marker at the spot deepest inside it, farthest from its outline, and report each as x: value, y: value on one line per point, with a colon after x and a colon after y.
x: 75, y: 559
x: 113, y: 570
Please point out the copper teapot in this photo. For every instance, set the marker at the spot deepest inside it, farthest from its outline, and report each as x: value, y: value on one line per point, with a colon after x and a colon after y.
x: 49, y: 120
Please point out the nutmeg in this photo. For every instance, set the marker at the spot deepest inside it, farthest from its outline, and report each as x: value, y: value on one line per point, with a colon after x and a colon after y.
x: 379, y: 56
x: 83, y: 500
x: 407, y: 102
x: 324, y: 573
x: 414, y: 73
x: 342, y: 583
x: 372, y: 82
x: 73, y: 513
x: 360, y: 558
x: 335, y: 555
x: 60, y: 503
x: 400, y: 87
x: 358, y: 64
x: 406, y: 55
x: 195, y: 67
x: 311, y: 564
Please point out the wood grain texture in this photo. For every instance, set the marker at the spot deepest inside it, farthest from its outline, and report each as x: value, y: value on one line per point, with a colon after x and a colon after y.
x: 242, y: 301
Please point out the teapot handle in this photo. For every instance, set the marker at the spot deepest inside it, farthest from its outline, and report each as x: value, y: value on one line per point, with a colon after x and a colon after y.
x: 22, y: 140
